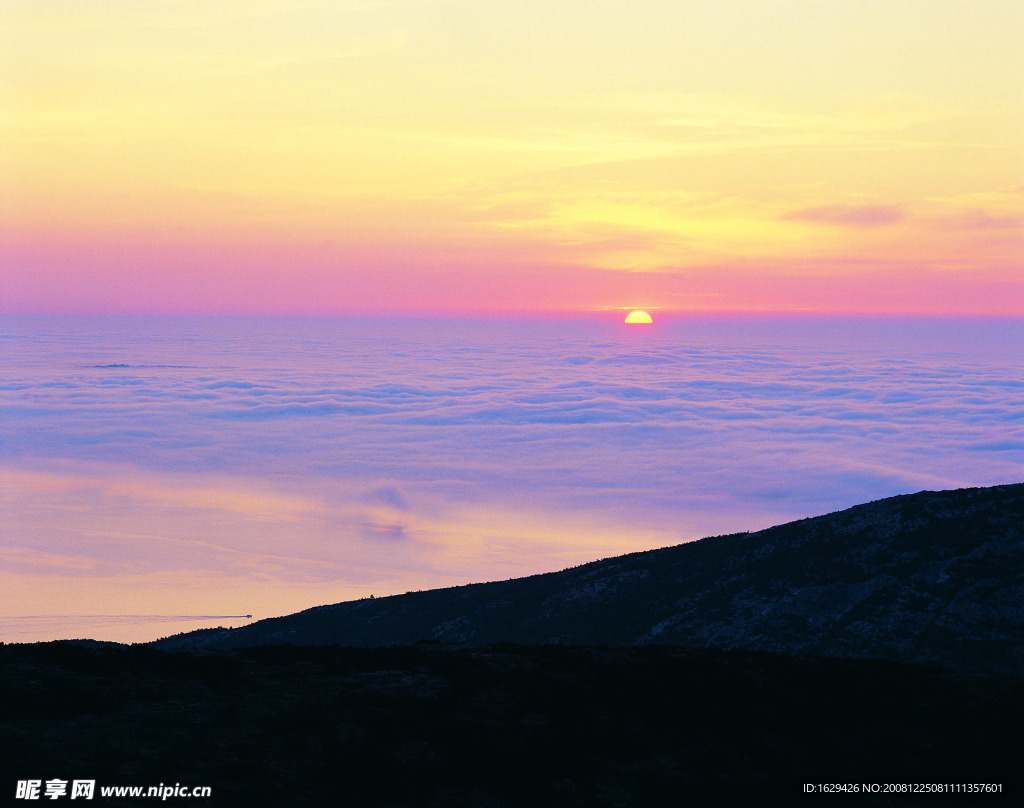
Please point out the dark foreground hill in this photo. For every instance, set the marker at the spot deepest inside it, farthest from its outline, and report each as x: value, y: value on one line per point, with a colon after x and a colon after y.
x: 502, y: 726
x: 933, y: 577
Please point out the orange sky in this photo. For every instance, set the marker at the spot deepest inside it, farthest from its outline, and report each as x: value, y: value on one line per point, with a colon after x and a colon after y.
x: 513, y: 156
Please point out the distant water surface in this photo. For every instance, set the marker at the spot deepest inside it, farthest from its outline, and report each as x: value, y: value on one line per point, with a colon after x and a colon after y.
x: 194, y: 467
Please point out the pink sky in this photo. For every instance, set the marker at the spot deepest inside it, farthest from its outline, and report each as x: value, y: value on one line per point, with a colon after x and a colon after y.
x: 189, y: 278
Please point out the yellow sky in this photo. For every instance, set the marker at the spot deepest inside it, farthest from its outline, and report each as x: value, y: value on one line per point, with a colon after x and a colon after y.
x: 410, y: 138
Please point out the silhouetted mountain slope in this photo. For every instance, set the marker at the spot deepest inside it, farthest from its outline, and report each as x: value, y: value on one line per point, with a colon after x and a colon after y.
x: 502, y: 726
x: 933, y: 577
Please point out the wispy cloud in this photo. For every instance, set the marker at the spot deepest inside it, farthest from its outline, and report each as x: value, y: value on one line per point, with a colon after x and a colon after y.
x: 848, y: 215
x: 983, y: 220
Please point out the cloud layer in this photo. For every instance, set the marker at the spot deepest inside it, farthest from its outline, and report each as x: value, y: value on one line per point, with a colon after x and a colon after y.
x: 237, y: 466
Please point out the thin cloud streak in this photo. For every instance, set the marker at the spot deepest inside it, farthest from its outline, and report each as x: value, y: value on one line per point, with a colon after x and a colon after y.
x: 848, y: 215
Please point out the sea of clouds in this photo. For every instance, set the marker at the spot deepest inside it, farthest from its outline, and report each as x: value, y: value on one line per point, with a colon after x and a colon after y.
x: 240, y: 465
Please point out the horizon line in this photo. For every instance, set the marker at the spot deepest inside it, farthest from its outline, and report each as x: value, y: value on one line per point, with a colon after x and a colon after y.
x: 603, y: 313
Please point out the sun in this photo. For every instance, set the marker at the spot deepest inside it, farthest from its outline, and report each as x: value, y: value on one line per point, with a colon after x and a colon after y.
x: 635, y: 317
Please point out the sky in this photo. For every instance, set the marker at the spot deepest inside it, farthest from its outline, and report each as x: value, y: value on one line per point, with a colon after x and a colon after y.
x: 181, y: 156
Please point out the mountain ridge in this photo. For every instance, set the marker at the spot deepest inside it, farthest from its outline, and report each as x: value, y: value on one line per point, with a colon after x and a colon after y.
x: 930, y: 578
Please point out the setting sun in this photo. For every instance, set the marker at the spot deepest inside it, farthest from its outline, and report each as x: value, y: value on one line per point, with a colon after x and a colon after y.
x: 638, y: 317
